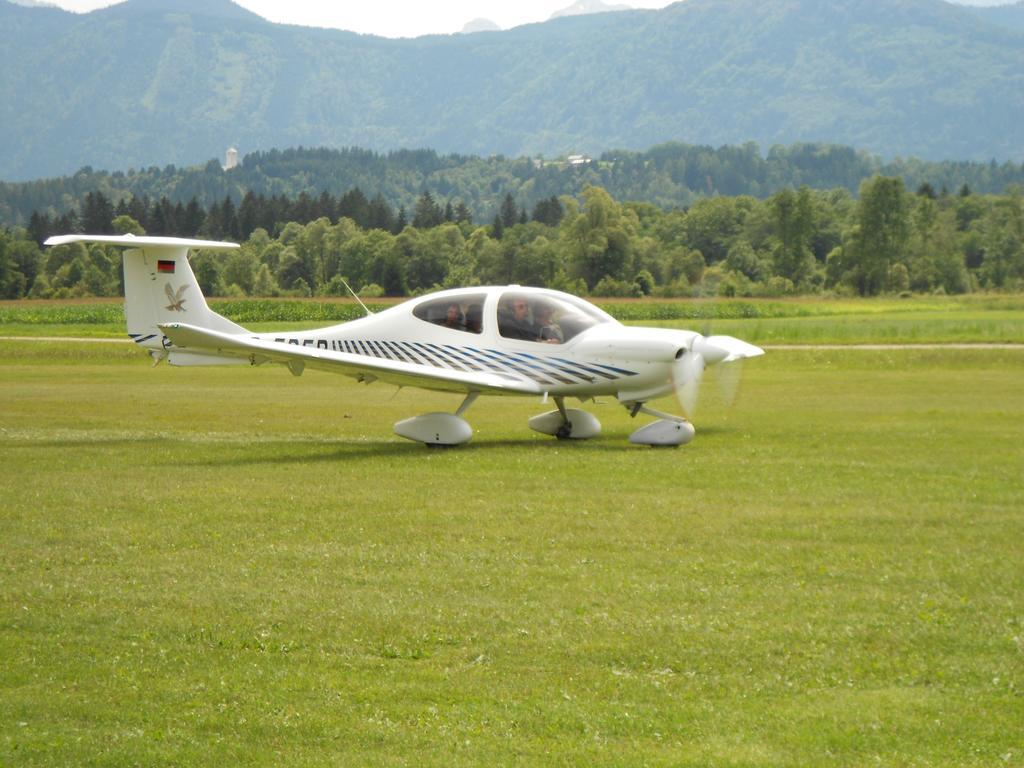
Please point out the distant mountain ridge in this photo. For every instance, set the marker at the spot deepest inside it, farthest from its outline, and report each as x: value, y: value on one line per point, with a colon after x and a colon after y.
x: 581, y: 7
x: 152, y: 82
x: 479, y: 25
x: 218, y: 9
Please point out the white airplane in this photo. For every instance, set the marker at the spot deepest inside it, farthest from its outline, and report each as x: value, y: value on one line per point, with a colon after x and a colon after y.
x: 508, y: 340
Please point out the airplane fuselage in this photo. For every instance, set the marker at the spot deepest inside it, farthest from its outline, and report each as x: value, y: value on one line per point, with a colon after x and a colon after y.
x: 602, y: 357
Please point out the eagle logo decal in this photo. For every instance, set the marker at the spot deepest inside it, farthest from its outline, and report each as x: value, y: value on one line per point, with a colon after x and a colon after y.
x: 175, y: 297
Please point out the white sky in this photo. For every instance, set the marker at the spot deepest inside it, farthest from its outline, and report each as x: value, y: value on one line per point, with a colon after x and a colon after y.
x: 411, y: 18
x: 395, y: 18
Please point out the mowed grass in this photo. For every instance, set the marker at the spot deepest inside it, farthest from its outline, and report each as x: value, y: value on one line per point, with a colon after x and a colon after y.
x: 235, y: 566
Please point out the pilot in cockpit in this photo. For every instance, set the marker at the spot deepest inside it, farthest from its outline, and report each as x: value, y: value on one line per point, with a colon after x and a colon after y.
x: 514, y: 322
x: 453, y: 317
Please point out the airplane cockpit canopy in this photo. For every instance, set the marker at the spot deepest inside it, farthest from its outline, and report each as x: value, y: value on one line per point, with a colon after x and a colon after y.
x: 526, y: 314
x: 459, y: 313
x: 551, y: 318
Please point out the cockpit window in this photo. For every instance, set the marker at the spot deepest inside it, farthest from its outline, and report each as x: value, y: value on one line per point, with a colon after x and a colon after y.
x: 549, y: 319
x: 460, y: 313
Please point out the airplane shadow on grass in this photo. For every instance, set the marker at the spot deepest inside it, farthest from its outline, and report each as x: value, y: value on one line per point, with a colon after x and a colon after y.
x: 271, y: 453
x: 289, y: 451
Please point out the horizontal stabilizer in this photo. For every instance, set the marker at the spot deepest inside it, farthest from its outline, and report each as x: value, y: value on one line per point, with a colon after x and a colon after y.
x: 159, y: 284
x: 141, y: 241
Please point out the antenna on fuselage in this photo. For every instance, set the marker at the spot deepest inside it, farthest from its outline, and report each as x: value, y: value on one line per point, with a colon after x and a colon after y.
x: 355, y: 295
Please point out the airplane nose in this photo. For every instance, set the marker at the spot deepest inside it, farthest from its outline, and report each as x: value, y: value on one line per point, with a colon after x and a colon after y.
x: 725, y: 349
x: 710, y: 352
x: 688, y: 370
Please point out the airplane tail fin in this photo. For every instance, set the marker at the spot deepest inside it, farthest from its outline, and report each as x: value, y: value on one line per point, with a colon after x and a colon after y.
x: 160, y: 286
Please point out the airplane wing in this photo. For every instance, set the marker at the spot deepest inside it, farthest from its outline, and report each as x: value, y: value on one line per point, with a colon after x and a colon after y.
x: 190, y: 337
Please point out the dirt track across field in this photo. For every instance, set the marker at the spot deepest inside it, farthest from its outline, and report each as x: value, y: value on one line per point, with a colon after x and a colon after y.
x: 66, y: 339
x: 883, y: 347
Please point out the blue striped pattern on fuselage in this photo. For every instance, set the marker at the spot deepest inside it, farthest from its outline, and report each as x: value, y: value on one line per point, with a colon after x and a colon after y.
x: 548, y: 371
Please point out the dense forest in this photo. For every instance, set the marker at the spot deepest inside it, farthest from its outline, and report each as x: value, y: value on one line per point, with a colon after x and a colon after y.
x: 887, y: 239
x: 670, y: 175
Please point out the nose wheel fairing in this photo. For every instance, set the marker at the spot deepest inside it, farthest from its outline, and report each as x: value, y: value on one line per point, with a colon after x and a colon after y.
x: 663, y: 433
x: 667, y: 431
x: 566, y: 423
x: 573, y: 425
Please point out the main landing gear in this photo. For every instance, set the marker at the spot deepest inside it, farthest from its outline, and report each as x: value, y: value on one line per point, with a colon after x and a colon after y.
x: 449, y: 429
x: 439, y: 429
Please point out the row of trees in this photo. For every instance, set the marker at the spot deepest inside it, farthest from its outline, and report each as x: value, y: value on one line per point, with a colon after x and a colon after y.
x: 667, y: 175
x: 225, y: 220
x: 889, y: 239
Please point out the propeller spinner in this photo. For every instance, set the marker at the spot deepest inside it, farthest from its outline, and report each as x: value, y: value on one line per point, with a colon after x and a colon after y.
x: 688, y: 370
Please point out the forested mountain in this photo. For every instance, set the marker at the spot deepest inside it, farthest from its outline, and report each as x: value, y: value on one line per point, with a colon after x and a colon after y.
x: 152, y: 82
x: 1009, y: 16
x: 668, y: 176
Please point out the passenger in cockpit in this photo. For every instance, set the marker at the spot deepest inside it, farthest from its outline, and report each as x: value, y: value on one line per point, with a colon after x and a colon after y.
x: 547, y: 328
x: 474, y: 318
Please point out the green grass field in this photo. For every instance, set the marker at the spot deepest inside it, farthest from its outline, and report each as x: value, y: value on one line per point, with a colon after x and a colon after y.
x: 239, y: 567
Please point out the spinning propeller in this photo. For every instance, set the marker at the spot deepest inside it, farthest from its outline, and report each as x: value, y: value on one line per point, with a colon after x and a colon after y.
x: 688, y: 370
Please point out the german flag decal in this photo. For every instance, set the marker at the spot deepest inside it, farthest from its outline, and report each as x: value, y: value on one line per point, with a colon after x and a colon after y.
x: 165, y: 265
